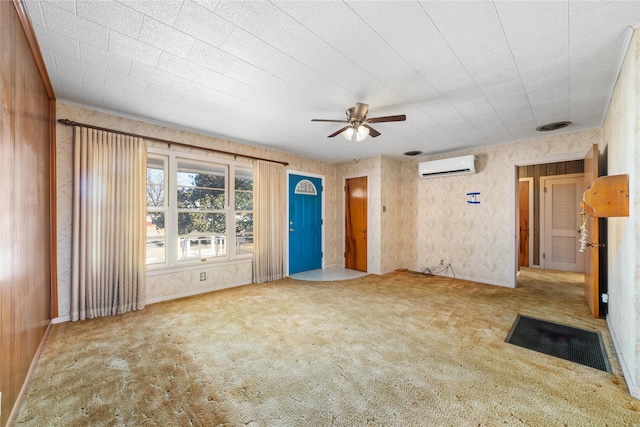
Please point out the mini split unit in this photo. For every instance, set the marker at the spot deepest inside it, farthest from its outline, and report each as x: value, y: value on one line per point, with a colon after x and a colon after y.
x: 446, y: 167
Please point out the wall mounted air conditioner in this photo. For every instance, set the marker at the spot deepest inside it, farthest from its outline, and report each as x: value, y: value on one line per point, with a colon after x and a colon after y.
x: 446, y: 167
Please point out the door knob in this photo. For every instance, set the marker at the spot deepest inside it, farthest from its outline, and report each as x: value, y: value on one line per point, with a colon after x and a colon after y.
x: 291, y: 229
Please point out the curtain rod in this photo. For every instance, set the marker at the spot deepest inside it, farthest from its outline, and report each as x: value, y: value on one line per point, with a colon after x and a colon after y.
x: 166, y: 141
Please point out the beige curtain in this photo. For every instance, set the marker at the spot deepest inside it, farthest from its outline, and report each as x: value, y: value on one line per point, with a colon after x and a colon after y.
x: 108, y: 253
x: 269, y: 214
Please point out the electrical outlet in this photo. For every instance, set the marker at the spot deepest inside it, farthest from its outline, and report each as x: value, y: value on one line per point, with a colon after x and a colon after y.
x: 203, y: 276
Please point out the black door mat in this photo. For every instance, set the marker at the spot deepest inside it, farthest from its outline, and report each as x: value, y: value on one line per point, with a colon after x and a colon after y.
x: 566, y: 342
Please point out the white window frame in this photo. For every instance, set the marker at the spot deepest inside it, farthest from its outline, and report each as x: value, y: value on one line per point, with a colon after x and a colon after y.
x: 171, y: 214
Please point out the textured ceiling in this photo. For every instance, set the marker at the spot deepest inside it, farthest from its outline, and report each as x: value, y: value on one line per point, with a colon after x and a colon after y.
x: 466, y: 74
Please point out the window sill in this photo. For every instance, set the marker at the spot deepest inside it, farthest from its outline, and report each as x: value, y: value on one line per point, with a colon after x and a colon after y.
x: 156, y: 271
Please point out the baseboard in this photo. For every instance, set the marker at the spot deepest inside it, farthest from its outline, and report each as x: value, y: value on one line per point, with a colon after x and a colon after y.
x: 470, y: 279
x: 483, y: 281
x: 25, y: 385
x: 61, y: 319
x: 634, y: 391
x: 196, y: 292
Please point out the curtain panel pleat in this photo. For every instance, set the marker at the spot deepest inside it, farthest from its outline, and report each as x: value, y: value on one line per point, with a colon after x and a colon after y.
x: 269, y: 212
x: 108, y: 268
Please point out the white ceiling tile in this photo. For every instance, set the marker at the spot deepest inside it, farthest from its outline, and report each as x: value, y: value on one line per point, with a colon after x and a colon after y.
x: 78, y: 69
x: 165, y: 11
x: 35, y: 13
x: 203, y: 24
x: 467, y: 74
x: 211, y: 57
x: 515, y: 15
x: 101, y: 58
x: 600, y: 20
x: 164, y: 37
x: 113, y: 15
x: 124, y: 81
x: 50, y: 41
x: 61, y: 21
x: 68, y: 5
x: 122, y: 45
x: 96, y: 87
x: 458, y: 21
x: 498, y: 77
x: 150, y: 74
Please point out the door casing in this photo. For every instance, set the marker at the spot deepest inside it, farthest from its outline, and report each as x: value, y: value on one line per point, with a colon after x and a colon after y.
x: 514, y: 220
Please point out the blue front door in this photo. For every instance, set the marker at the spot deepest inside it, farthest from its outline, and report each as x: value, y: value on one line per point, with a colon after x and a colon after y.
x: 305, y: 223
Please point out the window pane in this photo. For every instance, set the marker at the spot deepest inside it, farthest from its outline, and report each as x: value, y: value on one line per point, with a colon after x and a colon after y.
x: 155, y: 170
x: 155, y: 238
x: 244, y: 179
x: 201, y: 223
x: 244, y: 233
x: 244, y: 200
x: 155, y: 195
x: 200, y: 198
x: 203, y: 247
x: 155, y: 182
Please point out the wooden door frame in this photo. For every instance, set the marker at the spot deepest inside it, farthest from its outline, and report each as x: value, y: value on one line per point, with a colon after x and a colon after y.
x: 531, y: 222
x: 322, y: 216
x: 514, y: 219
x: 543, y: 208
x: 344, y: 214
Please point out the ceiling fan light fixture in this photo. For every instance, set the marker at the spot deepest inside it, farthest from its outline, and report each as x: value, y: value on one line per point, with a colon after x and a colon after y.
x: 362, y: 133
x: 348, y: 134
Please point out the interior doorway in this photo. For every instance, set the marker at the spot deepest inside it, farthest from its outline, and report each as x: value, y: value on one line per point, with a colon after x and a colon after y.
x: 525, y: 226
x: 533, y: 174
x: 560, y: 219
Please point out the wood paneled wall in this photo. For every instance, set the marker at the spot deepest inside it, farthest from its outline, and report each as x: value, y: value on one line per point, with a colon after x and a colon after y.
x: 26, y: 224
x: 536, y: 171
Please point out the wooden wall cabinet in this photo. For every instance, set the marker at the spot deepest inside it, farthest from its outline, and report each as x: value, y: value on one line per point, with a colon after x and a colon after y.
x: 608, y: 196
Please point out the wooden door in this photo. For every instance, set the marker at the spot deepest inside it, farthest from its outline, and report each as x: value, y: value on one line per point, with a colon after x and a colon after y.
x: 356, y: 201
x: 523, y: 198
x: 591, y: 259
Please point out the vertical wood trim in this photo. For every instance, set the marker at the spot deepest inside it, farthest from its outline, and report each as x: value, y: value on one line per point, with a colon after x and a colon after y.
x: 25, y: 175
x: 53, y: 205
x: 33, y: 45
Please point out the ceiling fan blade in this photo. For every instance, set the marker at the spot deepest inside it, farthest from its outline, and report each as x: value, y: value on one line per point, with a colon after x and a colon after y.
x: 372, y: 132
x: 360, y: 110
x: 398, y: 118
x: 339, y: 132
x: 332, y: 121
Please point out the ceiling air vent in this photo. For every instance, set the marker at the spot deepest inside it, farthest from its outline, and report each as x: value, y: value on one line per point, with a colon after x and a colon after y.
x: 412, y: 153
x: 553, y: 126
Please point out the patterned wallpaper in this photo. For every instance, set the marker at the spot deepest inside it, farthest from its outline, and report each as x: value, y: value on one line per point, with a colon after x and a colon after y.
x: 439, y: 224
x: 621, y: 141
x: 176, y: 284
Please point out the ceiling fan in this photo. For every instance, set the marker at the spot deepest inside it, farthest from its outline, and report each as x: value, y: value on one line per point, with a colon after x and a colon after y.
x: 358, y: 123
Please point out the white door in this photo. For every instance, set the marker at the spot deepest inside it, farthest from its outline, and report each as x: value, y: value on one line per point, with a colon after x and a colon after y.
x: 561, y: 237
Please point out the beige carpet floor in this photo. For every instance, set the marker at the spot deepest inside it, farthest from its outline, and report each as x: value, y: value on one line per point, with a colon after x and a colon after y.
x: 396, y: 350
